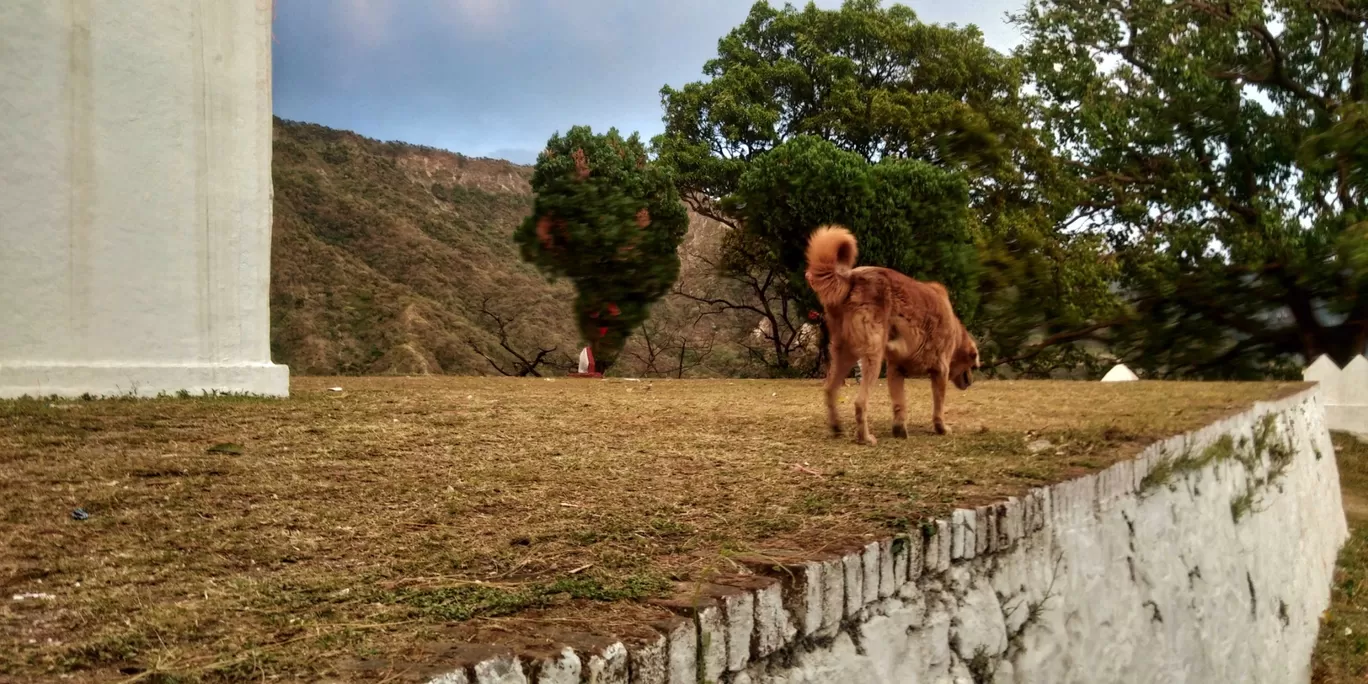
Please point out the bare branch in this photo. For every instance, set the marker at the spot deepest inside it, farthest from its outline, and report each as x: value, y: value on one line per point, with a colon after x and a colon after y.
x: 523, y: 365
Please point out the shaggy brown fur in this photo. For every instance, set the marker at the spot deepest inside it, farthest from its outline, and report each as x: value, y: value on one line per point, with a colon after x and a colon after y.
x: 875, y: 314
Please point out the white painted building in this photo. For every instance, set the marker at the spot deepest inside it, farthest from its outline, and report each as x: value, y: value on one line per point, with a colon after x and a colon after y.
x: 135, y: 197
x: 1345, y: 391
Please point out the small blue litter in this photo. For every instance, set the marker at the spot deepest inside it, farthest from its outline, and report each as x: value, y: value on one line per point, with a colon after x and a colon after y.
x: 80, y: 514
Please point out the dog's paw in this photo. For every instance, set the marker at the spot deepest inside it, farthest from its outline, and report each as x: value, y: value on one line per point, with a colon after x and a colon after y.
x: 836, y: 431
x: 941, y: 428
x: 900, y: 431
x: 867, y: 440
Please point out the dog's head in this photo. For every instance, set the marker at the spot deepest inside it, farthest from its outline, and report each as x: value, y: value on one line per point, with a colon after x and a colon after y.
x: 965, y: 360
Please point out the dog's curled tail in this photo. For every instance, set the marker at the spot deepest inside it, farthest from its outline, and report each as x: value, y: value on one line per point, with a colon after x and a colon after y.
x: 831, y: 253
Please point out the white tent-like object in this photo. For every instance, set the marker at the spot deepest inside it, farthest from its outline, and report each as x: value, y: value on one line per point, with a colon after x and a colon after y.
x: 1120, y: 373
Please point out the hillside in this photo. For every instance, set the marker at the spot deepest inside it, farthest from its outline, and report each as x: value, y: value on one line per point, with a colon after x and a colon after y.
x: 389, y: 258
x: 386, y: 257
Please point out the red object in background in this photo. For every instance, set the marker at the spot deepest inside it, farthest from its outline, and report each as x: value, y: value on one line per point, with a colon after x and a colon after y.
x: 603, y: 332
x: 593, y: 369
x: 613, y: 309
x: 813, y: 315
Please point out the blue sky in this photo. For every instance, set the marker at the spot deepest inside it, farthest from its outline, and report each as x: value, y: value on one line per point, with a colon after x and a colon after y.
x: 497, y: 77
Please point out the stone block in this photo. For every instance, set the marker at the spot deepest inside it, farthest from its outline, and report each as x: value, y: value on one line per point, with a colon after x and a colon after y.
x: 995, y: 523
x: 611, y: 665
x: 1030, y: 512
x: 987, y: 529
x: 957, y: 534
x: 800, y: 577
x: 833, y: 595
x: 983, y: 529
x: 811, y: 616
x: 853, y: 564
x: 916, y: 550
x: 1140, y: 467
x: 501, y: 670
x: 963, y: 542
x: 773, y: 628
x: 739, y: 611
x: 1070, y: 500
x: 704, y: 605
x: 1115, y: 483
x: 682, y: 661
x: 938, y: 547
x: 649, y: 661
x: 712, y: 642
x: 898, y: 550
x: 1062, y: 493
x: 562, y: 668
x: 888, y: 579
x: 870, y: 563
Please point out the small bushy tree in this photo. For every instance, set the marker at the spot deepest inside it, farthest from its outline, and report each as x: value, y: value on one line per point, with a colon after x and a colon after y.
x: 907, y: 214
x: 611, y: 221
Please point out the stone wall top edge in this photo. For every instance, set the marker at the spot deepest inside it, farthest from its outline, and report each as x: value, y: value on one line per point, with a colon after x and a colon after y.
x: 1071, y: 490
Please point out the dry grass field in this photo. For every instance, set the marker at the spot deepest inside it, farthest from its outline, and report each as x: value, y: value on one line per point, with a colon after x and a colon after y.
x: 232, y: 538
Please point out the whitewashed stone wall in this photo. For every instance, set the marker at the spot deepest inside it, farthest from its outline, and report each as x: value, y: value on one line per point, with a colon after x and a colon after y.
x: 1207, y: 559
x: 1345, y: 391
x: 135, y: 197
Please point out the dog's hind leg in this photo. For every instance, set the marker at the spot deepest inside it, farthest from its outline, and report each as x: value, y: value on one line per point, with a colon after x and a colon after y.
x: 938, y: 401
x: 837, y: 372
x: 896, y: 392
x: 869, y: 374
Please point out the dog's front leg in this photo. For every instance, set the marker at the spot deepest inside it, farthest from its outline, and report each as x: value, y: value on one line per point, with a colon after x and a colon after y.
x: 938, y: 402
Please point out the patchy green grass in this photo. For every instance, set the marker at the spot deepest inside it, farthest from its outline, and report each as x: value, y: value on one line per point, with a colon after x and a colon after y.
x: 362, y: 525
x: 1342, y: 649
x: 1265, y: 459
x: 1166, y: 472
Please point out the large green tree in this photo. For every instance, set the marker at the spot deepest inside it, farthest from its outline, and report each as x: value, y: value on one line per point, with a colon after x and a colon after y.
x: 611, y: 221
x: 1221, y: 147
x: 887, y: 90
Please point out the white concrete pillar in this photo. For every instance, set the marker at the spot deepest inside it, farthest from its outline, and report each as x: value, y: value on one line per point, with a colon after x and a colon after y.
x: 135, y: 197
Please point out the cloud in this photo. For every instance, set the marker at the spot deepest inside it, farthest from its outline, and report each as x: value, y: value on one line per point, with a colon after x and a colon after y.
x: 498, y: 77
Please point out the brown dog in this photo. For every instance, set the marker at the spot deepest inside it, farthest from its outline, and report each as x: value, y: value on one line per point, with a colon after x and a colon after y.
x: 873, y: 313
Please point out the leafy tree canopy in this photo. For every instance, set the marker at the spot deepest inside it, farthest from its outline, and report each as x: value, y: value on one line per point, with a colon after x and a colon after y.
x: 1220, y: 149
x: 909, y: 104
x: 611, y: 221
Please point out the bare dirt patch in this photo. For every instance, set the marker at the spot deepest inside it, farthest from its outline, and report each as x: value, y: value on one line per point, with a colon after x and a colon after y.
x: 233, y: 538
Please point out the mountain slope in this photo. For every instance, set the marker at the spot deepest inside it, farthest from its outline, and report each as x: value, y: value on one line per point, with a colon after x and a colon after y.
x: 393, y: 258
